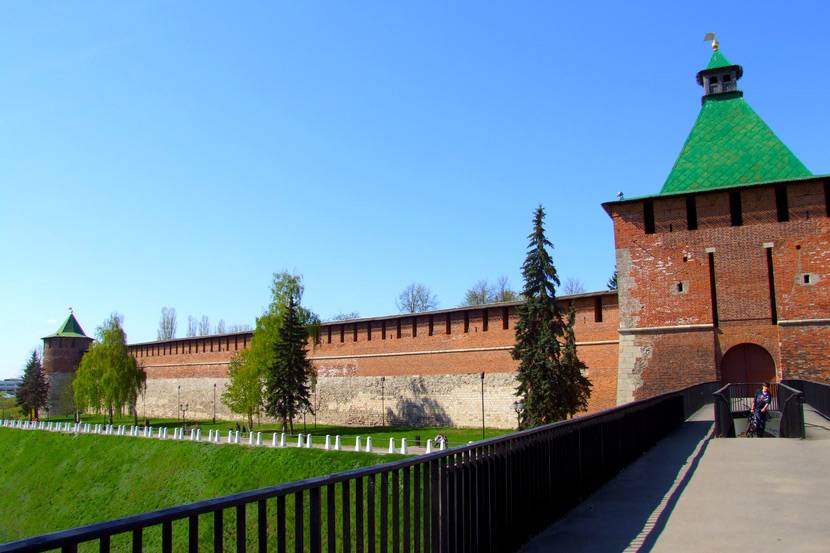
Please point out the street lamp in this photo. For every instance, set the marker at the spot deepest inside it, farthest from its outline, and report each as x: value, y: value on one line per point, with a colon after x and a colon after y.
x: 482, y: 406
x: 382, y: 401
x: 304, y: 409
x: 179, y: 397
x: 214, y: 403
x: 183, y: 409
x: 519, y: 407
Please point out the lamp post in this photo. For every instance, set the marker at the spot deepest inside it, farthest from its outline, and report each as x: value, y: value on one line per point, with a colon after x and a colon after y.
x: 382, y: 400
x: 179, y: 398
x: 183, y: 409
x: 304, y: 409
x: 519, y: 407
x: 214, y: 403
x: 482, y: 405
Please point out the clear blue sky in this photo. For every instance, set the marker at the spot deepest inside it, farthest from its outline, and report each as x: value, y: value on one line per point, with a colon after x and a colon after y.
x: 177, y: 154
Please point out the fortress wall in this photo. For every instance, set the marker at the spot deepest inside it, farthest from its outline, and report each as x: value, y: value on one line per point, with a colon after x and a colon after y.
x: 428, y: 379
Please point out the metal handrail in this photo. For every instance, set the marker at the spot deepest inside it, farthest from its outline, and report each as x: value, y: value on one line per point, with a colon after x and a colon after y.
x: 557, y: 464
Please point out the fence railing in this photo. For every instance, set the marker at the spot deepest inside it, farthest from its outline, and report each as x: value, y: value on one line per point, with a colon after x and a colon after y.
x: 490, y: 496
x: 816, y: 394
x: 736, y: 400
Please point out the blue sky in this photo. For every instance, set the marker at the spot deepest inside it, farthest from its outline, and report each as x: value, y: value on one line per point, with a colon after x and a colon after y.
x: 177, y: 154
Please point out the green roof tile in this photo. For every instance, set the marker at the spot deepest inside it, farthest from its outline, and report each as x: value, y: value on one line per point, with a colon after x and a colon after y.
x: 730, y: 145
x: 718, y: 60
x: 69, y: 329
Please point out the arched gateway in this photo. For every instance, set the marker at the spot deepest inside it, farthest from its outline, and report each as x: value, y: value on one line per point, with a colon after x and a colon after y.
x: 747, y: 363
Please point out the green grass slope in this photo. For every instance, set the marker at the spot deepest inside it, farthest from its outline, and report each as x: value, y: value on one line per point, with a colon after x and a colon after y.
x: 50, y: 482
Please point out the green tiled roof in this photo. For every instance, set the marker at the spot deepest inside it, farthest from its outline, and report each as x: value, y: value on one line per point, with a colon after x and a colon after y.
x: 717, y: 61
x: 69, y: 329
x: 730, y: 145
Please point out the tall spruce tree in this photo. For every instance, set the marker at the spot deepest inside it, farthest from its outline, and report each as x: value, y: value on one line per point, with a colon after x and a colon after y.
x: 577, y: 386
x: 549, y: 390
x: 34, y: 389
x: 287, y: 383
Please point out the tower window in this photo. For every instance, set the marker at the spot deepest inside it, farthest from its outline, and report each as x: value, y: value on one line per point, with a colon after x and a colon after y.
x: 782, y: 205
x: 691, y: 213
x: 736, y: 213
x: 680, y: 287
x: 648, y: 216
x: 806, y: 278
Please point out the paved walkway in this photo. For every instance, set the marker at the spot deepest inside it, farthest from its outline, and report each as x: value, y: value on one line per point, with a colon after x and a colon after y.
x: 695, y: 493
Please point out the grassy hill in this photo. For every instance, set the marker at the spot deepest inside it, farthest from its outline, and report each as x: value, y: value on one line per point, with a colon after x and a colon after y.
x: 53, y: 481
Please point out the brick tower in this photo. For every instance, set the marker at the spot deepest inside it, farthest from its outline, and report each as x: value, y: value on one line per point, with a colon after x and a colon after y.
x: 725, y: 274
x: 62, y: 352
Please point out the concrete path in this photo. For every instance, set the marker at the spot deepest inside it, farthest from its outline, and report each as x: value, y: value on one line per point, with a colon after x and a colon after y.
x: 693, y: 493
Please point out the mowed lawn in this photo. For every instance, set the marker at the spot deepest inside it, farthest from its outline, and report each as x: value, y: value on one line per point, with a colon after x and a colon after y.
x: 51, y: 481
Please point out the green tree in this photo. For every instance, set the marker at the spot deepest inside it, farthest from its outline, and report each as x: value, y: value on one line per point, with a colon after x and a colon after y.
x: 612, y: 281
x: 244, y: 392
x: 287, y: 389
x: 546, y: 387
x: 576, y: 386
x: 252, y: 370
x: 34, y: 389
x: 108, y: 378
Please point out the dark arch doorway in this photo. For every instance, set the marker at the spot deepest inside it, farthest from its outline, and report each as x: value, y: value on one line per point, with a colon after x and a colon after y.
x: 747, y: 363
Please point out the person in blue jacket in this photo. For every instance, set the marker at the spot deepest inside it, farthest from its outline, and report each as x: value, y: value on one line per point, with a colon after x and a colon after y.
x: 760, y: 408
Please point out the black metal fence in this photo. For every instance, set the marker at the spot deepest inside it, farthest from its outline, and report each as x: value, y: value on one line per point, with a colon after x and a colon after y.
x: 817, y: 394
x: 736, y: 400
x: 490, y: 496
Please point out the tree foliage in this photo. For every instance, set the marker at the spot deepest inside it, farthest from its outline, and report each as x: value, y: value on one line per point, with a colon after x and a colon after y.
x: 167, y: 324
x: 261, y: 360
x: 204, y: 326
x: 243, y: 394
x: 547, y: 384
x: 482, y: 292
x: 612, y: 281
x: 192, y: 326
x: 33, y: 391
x: 346, y: 316
x: 287, y: 380
x: 416, y: 298
x: 108, y: 378
x: 573, y: 286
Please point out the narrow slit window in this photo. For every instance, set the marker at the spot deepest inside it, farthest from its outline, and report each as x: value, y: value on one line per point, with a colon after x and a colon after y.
x: 449, y: 323
x: 329, y: 335
x: 383, y: 330
x: 414, y: 327
x: 691, y: 213
x: 354, y: 332
x: 598, y: 309
x: 680, y: 287
x: 485, y: 322
x: 782, y: 204
x: 369, y: 331
x: 466, y: 321
x: 431, y: 324
x: 648, y: 216
x: 505, y: 318
x: 342, y: 333
x: 806, y: 278
x: 736, y: 213
x: 398, y: 329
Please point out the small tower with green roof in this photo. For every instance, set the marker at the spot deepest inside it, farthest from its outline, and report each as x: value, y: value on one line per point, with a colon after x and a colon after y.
x: 62, y: 352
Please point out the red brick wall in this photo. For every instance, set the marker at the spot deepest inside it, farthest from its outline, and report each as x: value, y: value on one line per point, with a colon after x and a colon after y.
x: 457, y: 352
x: 650, y: 267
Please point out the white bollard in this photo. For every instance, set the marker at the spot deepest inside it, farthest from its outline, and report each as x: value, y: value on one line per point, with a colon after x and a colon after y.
x: 368, y: 444
x: 299, y: 440
x: 273, y: 439
x: 403, y: 446
x: 328, y: 442
x: 429, y: 446
x: 308, y: 441
x: 164, y: 434
x: 282, y: 439
x: 230, y: 436
x: 442, y: 445
x: 259, y: 438
x: 337, y: 443
x: 236, y: 436
x: 391, y: 445
x: 357, y: 443
x: 210, y: 435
